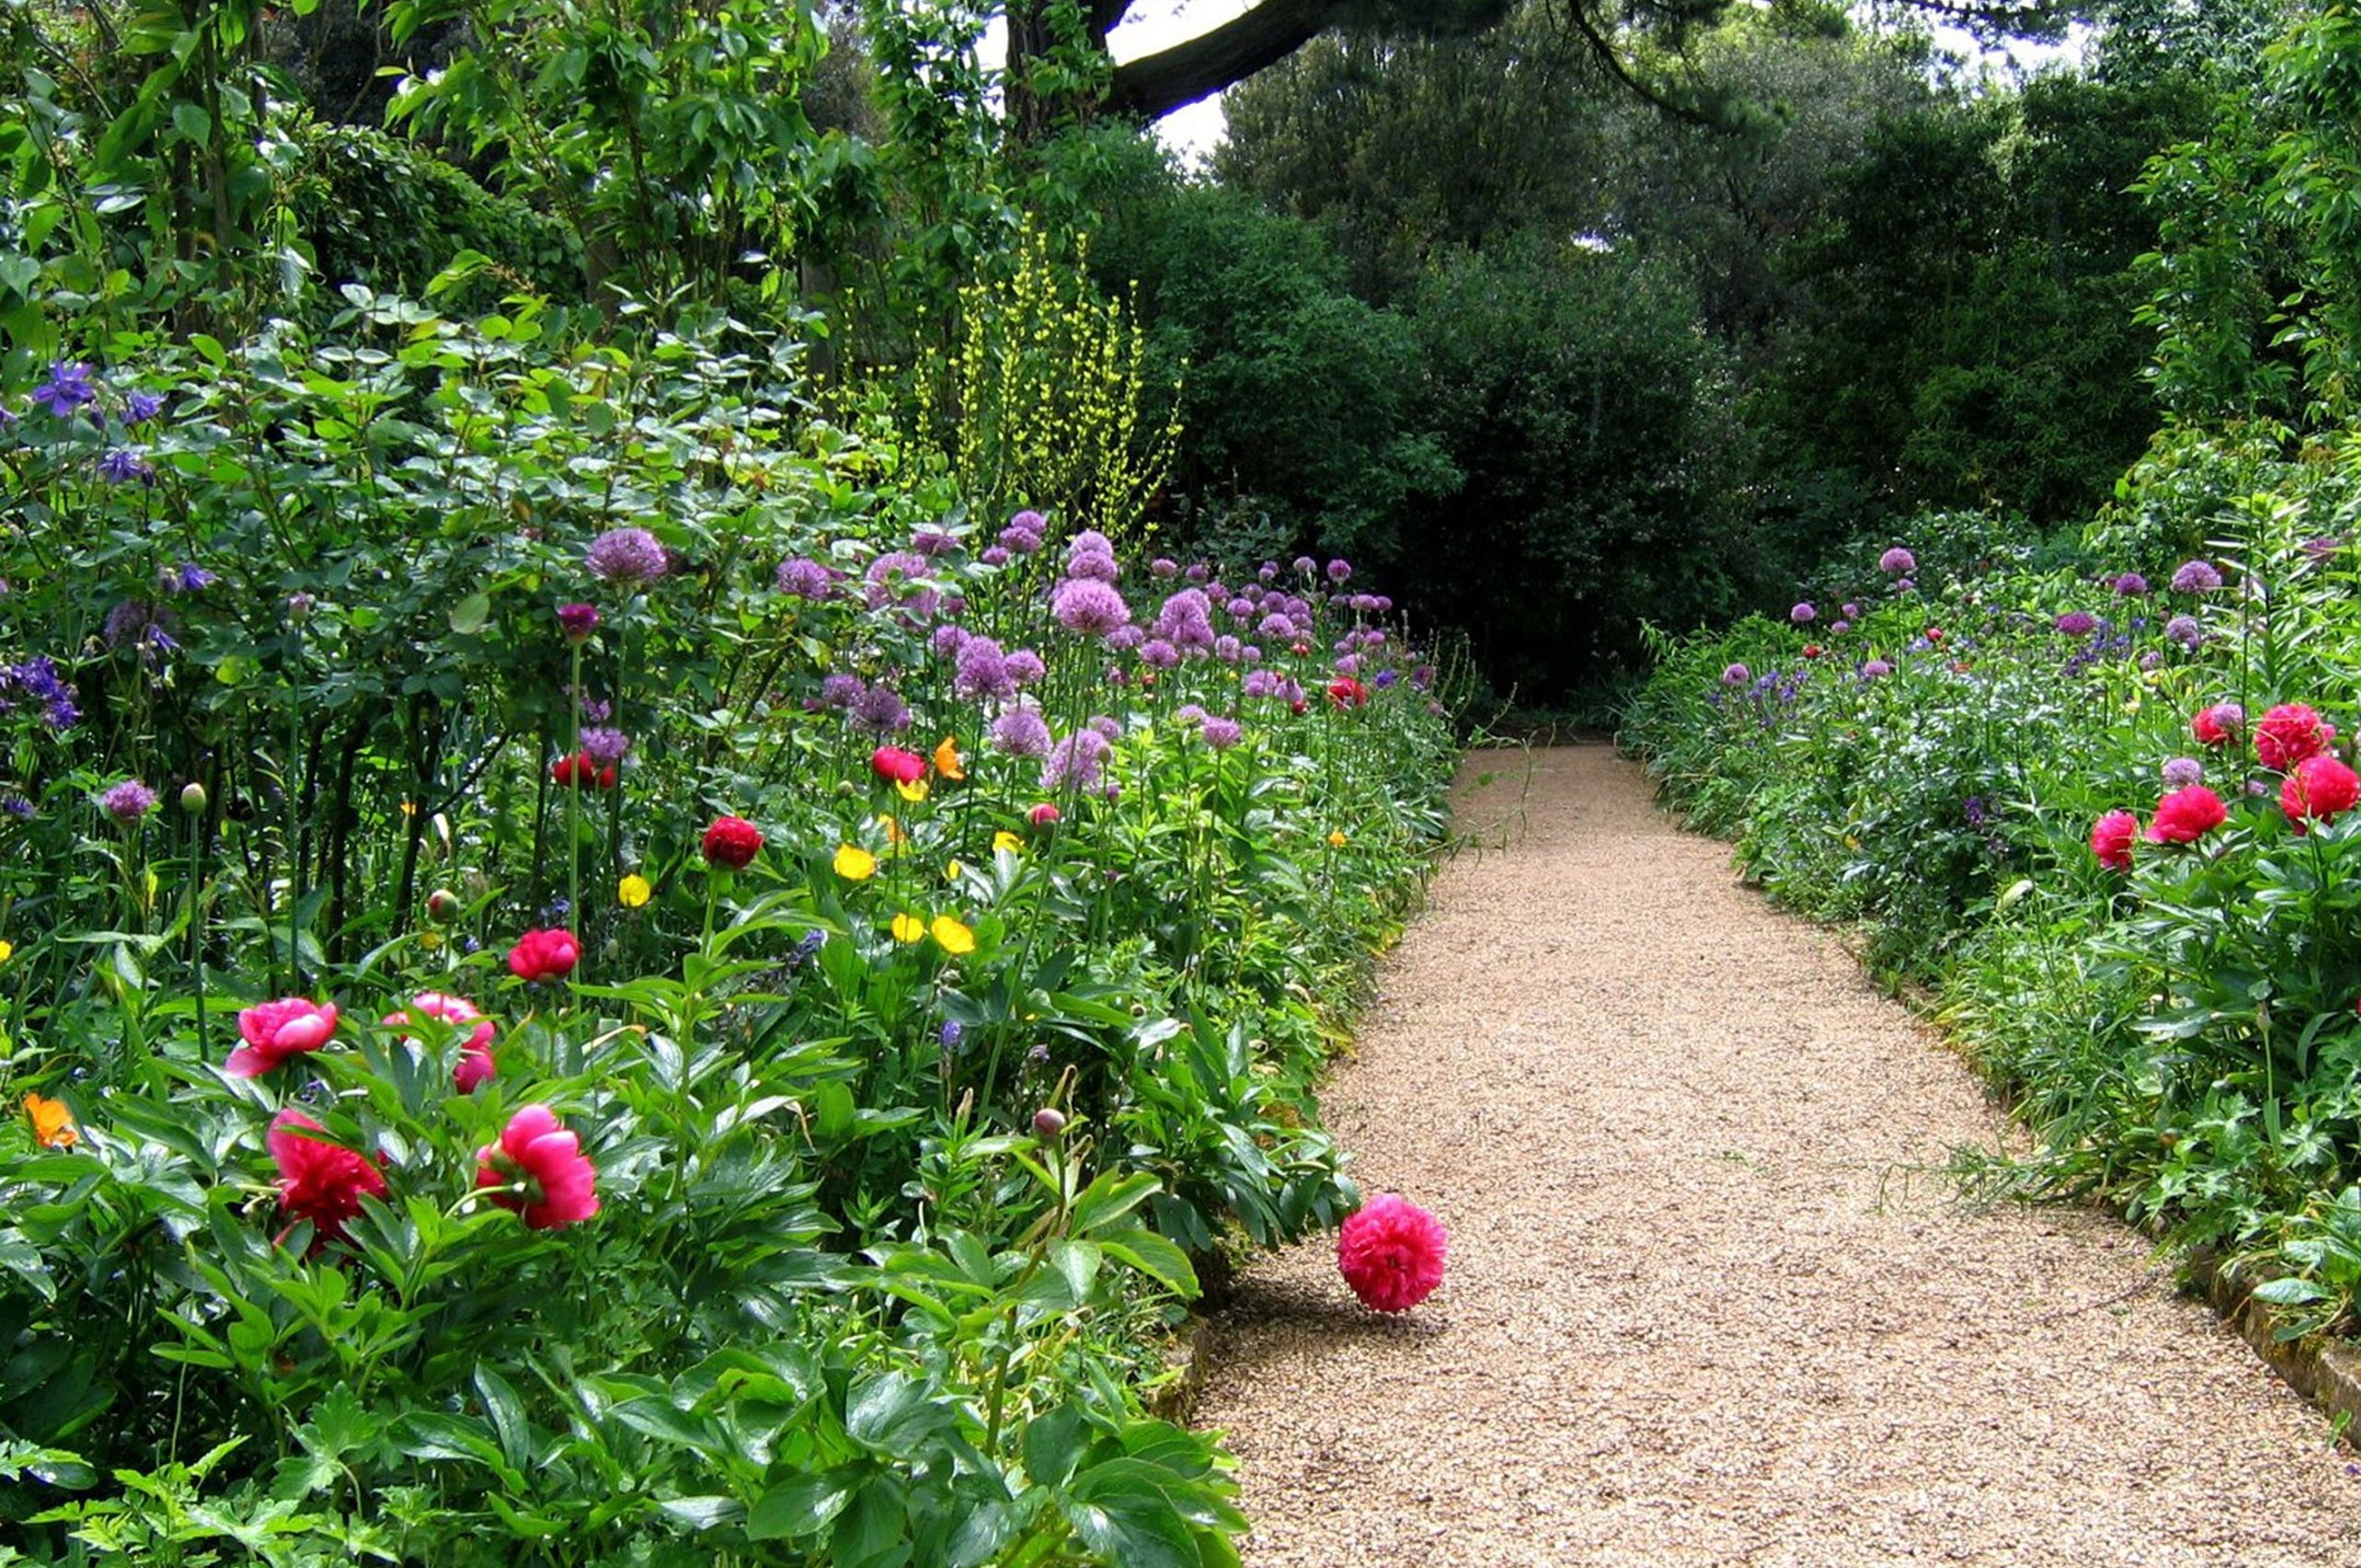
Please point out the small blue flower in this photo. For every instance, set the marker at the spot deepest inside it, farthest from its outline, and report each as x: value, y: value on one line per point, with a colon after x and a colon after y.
x: 67, y: 389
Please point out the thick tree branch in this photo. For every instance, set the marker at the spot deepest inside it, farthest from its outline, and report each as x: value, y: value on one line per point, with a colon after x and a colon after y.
x: 1159, y: 83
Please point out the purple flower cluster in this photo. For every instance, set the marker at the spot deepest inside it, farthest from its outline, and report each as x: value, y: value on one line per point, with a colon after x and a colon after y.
x: 37, y: 680
x: 880, y: 711
x: 129, y: 801
x: 1088, y: 606
x: 1076, y: 761
x: 2196, y: 577
x: 605, y: 746
x: 626, y: 555
x: 804, y: 578
x: 1897, y: 563
x: 1025, y: 533
x: 982, y: 672
x: 68, y: 388
x: 1019, y: 731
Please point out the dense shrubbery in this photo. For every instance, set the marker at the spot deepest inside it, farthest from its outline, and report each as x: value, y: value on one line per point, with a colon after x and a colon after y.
x: 2079, y: 801
x: 941, y: 963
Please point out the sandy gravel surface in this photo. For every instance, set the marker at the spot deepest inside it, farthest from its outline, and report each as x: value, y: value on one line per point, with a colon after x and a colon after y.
x: 1709, y: 1300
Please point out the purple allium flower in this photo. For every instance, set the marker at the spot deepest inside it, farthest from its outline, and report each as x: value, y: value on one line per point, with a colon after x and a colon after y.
x: 129, y: 801
x: 1227, y: 649
x: 1025, y: 667
x: 1122, y: 640
x: 1897, y: 563
x: 138, y: 408
x: 841, y: 691
x: 1163, y: 567
x: 1157, y: 654
x: 1278, y: 628
x: 949, y: 638
x: 2129, y: 585
x: 994, y: 556
x: 605, y: 747
x: 894, y: 571
x: 1241, y: 610
x: 186, y: 577
x: 2152, y: 660
x: 983, y: 671
x: 2184, y: 630
x: 1250, y: 653
x: 1025, y: 533
x: 1850, y: 611
x: 1186, y: 620
x: 880, y: 711
x: 626, y: 555
x: 2196, y: 577
x: 2183, y: 771
x: 1263, y: 683
x: 1268, y: 571
x: 1803, y: 614
x: 1098, y: 564
x: 577, y: 621
x: 1904, y: 584
x: 2076, y: 622
x: 1349, y: 664
x: 1076, y: 761
x: 932, y: 542
x: 1222, y: 734
x: 67, y: 389
x: 1838, y: 628
x: 1105, y: 726
x: 804, y: 578
x: 1019, y: 731
x: 124, y: 465
x: 1340, y: 571
x: 1875, y: 669
x: 1088, y: 606
x: 1736, y: 674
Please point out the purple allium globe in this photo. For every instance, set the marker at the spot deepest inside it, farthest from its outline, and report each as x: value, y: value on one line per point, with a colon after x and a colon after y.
x: 2076, y: 622
x: 1803, y: 614
x: 2184, y: 630
x: 1897, y: 563
x: 1222, y: 734
x: 2183, y: 771
x: 880, y: 711
x: 1736, y: 674
x: 1088, y: 606
x: 626, y: 555
x: 804, y: 578
x: 127, y: 802
x: 2129, y: 585
x: 1876, y: 668
x: 2196, y: 577
x: 1019, y: 731
x: 577, y: 621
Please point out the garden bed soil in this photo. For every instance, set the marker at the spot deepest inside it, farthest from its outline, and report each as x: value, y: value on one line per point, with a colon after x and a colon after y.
x: 1712, y: 1299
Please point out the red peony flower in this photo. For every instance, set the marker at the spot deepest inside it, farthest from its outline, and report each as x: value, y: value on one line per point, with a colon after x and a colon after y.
x: 475, y: 1064
x: 1811, y: 651
x: 581, y: 771
x: 318, y: 1180
x: 2321, y: 789
x: 544, y: 955
x: 540, y: 1170
x: 898, y: 767
x: 2186, y: 815
x: 732, y: 843
x: 277, y: 1030
x: 1391, y: 1253
x: 2289, y: 735
x: 1346, y: 691
x: 2111, y: 839
x: 1042, y: 816
x: 2218, y: 725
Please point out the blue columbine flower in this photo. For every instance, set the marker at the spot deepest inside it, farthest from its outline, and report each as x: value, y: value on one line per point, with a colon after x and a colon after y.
x: 124, y: 464
x: 68, y: 388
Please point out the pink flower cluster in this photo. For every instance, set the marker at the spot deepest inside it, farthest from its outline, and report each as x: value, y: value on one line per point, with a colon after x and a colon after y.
x: 2291, y: 740
x: 1391, y: 1253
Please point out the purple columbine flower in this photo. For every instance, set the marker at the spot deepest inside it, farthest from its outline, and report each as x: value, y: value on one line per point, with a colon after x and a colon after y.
x: 604, y: 746
x: 138, y: 408
x: 804, y: 578
x: 37, y: 679
x: 137, y: 622
x: 67, y: 389
x: 186, y: 577
x: 125, y: 465
x: 626, y: 555
x: 129, y: 801
x: 2196, y: 577
x: 1897, y: 563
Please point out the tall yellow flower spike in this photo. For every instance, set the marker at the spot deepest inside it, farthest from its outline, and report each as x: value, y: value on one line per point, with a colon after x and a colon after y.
x: 53, y: 1123
x: 855, y: 863
x: 955, y: 938
x: 908, y: 928
x: 946, y: 760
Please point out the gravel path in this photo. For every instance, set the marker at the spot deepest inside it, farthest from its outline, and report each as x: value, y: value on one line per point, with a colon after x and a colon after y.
x: 1709, y: 1301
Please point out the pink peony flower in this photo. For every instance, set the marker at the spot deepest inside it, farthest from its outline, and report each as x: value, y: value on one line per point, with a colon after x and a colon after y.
x: 537, y: 1168
x: 2321, y: 789
x: 2111, y: 839
x: 897, y: 766
x: 544, y: 954
x: 318, y: 1180
x: 277, y: 1030
x: 475, y: 1064
x: 1042, y: 816
x: 2289, y: 735
x: 2186, y: 815
x: 2218, y: 725
x: 1391, y: 1253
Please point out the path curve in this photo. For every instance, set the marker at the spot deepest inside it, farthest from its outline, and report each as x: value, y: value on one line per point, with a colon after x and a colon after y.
x: 1708, y: 1300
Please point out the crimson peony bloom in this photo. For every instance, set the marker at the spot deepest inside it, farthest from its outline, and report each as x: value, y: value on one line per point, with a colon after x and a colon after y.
x: 277, y: 1030
x: 732, y: 843
x: 538, y: 1168
x: 2218, y: 725
x: 544, y: 955
x: 2186, y: 815
x: 318, y: 1180
x: 2111, y: 839
x: 1391, y: 1253
x: 2321, y: 789
x: 1042, y: 816
x: 898, y: 767
x: 2289, y: 735
x: 1346, y: 691
x: 581, y: 771
x: 475, y: 1064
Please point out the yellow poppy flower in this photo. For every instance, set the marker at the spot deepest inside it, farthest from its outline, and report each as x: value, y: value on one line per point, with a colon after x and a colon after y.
x: 430, y: 941
x: 855, y: 863
x: 634, y: 891
x: 53, y: 1123
x: 946, y: 760
x: 914, y: 790
x: 7, y: 951
x: 1337, y: 840
x: 951, y: 872
x: 894, y: 833
x: 955, y: 938
x: 908, y: 928
x: 1005, y: 842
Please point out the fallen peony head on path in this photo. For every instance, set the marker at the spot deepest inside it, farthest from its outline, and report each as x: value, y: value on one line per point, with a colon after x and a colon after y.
x: 1391, y: 1253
